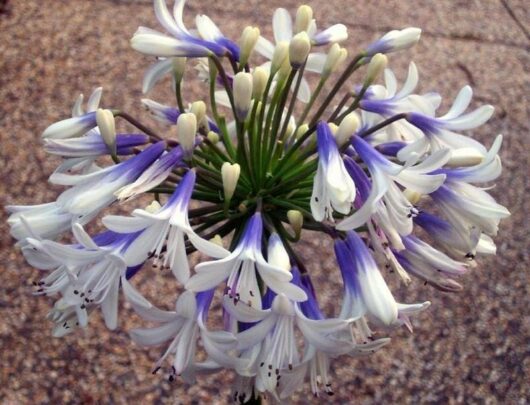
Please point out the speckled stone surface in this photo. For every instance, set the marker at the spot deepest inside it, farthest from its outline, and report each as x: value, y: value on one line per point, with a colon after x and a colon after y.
x: 472, y: 347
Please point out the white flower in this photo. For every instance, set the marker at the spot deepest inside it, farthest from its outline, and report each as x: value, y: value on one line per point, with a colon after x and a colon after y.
x: 333, y: 188
x: 385, y: 175
x: 183, y: 328
x: 272, y: 340
x: 87, y: 275
x: 365, y: 290
x: 171, y: 222
x: 242, y: 267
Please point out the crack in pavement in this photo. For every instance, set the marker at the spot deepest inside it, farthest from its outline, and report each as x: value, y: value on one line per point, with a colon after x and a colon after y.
x: 515, y: 18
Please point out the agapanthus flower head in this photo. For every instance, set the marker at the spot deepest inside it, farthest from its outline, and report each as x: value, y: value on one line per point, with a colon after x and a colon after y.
x: 224, y: 191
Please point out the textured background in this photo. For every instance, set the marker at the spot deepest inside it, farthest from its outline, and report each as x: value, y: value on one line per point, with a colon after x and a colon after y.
x: 473, y: 347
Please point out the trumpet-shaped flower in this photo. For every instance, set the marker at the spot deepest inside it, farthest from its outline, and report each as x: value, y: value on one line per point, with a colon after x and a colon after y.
x: 365, y: 290
x: 242, y: 268
x: 183, y: 328
x: 333, y: 188
x: 182, y: 43
x: 439, y: 132
x: 273, y: 336
x: 166, y: 228
x: 385, y: 174
x: 82, y: 202
x: 87, y: 274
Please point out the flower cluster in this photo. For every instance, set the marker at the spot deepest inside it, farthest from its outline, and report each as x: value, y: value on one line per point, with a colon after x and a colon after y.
x: 393, y: 182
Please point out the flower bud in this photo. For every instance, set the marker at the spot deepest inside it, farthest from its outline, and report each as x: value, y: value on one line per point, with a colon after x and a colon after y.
x: 218, y: 240
x: 302, y: 130
x: 333, y: 128
x: 242, y: 94
x: 464, y: 157
x: 179, y: 65
x: 213, y: 137
x: 395, y: 41
x: 299, y: 48
x: 375, y: 67
x: 304, y: 15
x: 199, y: 109
x: 107, y: 128
x: 260, y: 77
x: 186, y: 131
x: 291, y: 126
x: 281, y: 53
x: 336, y: 56
x: 230, y: 175
x: 248, y: 41
x: 348, y: 126
x: 296, y: 219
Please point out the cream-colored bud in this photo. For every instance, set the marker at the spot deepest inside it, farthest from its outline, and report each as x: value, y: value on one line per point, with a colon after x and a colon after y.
x: 242, y: 94
x: 304, y: 15
x: 230, y: 175
x: 281, y: 53
x: 218, y: 240
x: 464, y: 157
x: 299, y: 48
x: 199, y: 109
x: 179, y: 66
x: 153, y: 208
x: 333, y: 128
x: 348, y: 126
x: 186, y: 132
x: 248, y: 41
x: 302, y: 130
x: 296, y: 219
x: 107, y: 128
x: 213, y: 137
x: 291, y: 127
x: 260, y: 77
x: 376, y: 66
x: 336, y: 56
x: 413, y: 196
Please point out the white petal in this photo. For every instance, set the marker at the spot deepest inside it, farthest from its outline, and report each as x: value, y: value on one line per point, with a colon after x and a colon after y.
x: 207, y: 28
x: 411, y: 82
x: 264, y: 47
x: 315, y: 62
x: 155, y: 336
x: 282, y: 25
x: 143, y: 307
x: 256, y: 334
x: 155, y: 73
x: 243, y: 312
x: 362, y: 215
x: 94, y: 99
x: 109, y: 306
x: 460, y: 104
x: 121, y: 224
x: 207, y: 280
x: 208, y: 248
x: 471, y: 120
x: 83, y: 238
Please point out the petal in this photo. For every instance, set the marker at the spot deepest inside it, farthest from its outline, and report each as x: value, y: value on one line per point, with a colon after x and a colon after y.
x: 155, y: 73
x: 143, y: 307
x: 243, y: 312
x: 282, y: 25
x: 256, y: 334
x: 155, y: 336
